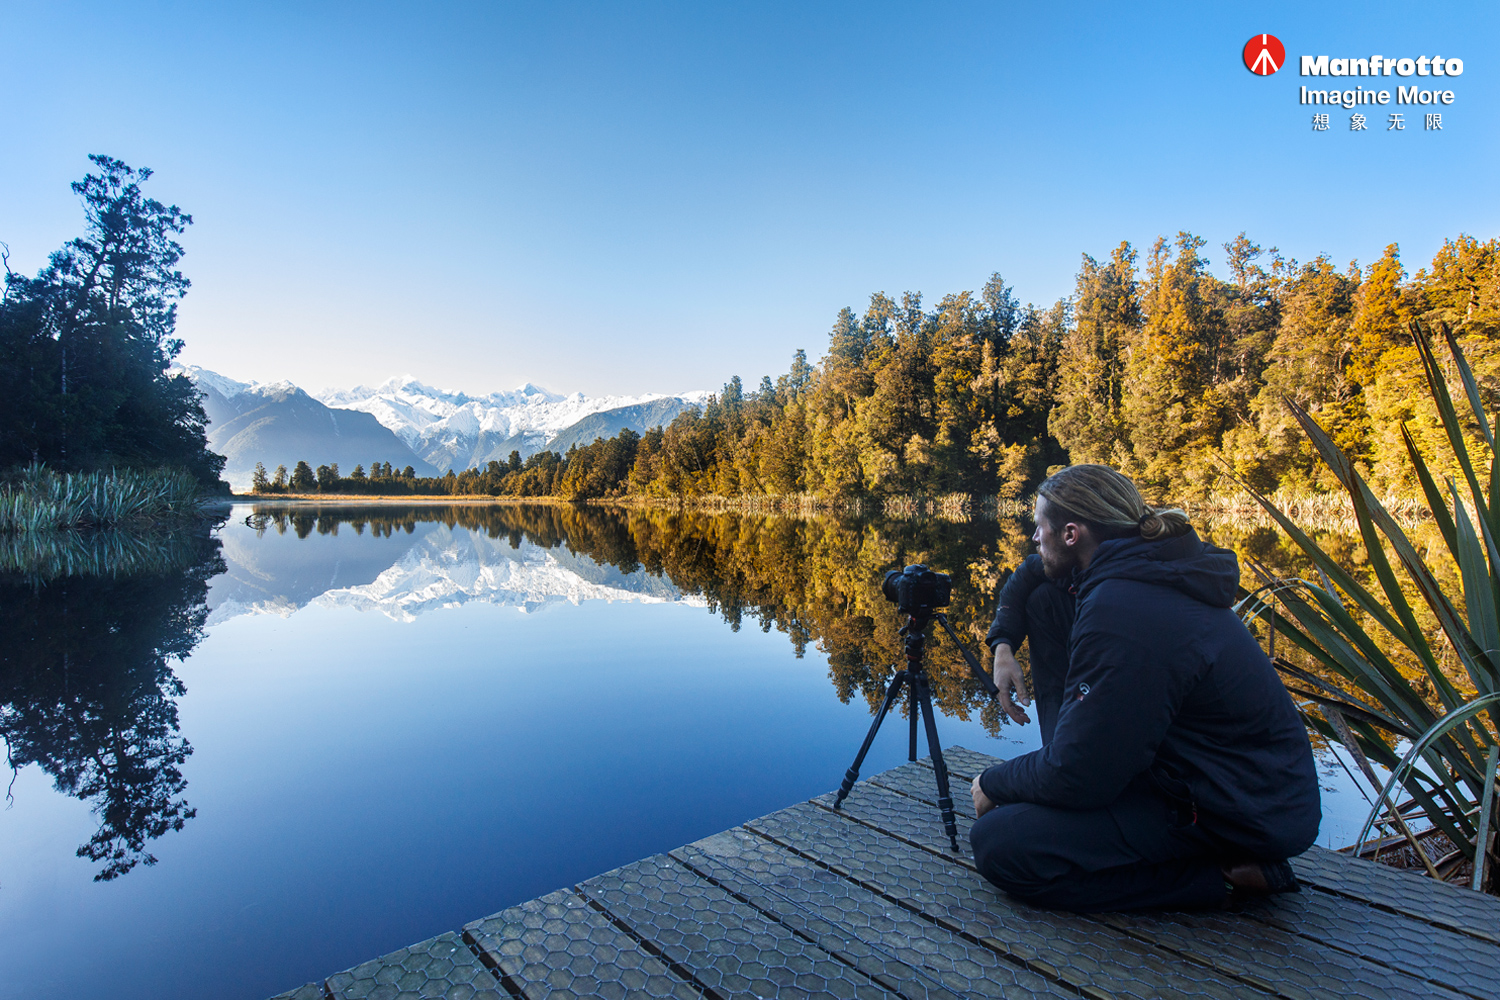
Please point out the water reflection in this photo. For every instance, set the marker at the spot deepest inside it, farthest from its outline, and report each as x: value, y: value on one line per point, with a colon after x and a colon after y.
x: 87, y: 689
x: 816, y: 579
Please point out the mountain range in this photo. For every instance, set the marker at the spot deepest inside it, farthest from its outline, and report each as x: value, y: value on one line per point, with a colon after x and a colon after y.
x: 459, y: 431
x: 404, y: 422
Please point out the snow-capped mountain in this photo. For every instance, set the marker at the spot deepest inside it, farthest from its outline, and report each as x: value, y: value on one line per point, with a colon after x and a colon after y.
x: 413, y: 424
x: 279, y: 424
x: 456, y: 430
x: 223, y: 385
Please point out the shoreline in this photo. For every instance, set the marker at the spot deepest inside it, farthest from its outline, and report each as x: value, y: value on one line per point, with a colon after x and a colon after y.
x: 1315, y: 505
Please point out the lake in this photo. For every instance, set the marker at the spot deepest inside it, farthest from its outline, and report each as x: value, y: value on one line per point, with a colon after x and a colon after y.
x: 253, y: 756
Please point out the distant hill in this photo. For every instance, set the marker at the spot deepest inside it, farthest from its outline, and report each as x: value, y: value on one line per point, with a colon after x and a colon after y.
x: 640, y: 418
x: 280, y: 424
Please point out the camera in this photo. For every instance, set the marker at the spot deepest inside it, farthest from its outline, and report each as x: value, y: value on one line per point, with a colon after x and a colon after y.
x: 917, y: 590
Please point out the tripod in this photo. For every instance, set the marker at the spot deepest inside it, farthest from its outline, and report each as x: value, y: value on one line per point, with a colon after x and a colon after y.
x: 915, y: 677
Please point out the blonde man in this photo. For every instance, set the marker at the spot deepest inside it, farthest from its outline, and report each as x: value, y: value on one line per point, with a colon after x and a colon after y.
x: 1174, y: 772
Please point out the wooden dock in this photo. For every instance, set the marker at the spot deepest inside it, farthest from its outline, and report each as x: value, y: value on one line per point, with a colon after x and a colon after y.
x: 871, y: 902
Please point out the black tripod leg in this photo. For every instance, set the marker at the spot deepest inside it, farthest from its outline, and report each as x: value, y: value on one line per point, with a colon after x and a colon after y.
x: 852, y: 775
x: 923, y: 698
x: 912, y: 714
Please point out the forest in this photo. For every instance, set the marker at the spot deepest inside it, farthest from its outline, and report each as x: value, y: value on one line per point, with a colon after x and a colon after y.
x: 1157, y: 367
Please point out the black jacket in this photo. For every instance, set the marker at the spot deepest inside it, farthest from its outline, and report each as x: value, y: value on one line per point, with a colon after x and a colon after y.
x: 1167, y: 690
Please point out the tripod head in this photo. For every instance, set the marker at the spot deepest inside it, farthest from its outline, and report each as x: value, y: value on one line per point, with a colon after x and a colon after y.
x: 915, y: 629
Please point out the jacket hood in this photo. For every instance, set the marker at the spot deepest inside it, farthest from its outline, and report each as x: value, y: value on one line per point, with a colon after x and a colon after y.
x: 1203, y: 572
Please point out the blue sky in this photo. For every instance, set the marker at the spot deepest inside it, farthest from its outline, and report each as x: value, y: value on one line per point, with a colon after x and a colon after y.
x: 653, y: 197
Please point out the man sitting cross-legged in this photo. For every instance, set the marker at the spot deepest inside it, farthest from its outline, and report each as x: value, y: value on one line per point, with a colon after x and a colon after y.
x: 1174, y: 772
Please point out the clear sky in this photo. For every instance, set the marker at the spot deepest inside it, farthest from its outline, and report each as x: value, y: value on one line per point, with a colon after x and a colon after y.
x: 644, y: 197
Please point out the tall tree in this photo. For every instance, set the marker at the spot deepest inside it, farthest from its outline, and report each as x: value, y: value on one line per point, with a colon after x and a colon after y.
x: 93, y: 337
x: 1086, y: 418
x: 1171, y: 411
x: 1308, y: 363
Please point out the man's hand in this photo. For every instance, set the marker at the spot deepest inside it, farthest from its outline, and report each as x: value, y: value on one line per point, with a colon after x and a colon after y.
x: 982, y: 803
x: 1007, y: 676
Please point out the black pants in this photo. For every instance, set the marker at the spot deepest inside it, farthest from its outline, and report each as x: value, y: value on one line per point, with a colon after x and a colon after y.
x: 1137, y: 853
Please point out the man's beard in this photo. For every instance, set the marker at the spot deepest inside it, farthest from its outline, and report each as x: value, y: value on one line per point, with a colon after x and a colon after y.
x: 1059, y: 565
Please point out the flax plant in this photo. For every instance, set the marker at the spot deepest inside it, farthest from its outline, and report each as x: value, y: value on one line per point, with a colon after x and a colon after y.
x: 1377, y: 678
x: 39, y: 499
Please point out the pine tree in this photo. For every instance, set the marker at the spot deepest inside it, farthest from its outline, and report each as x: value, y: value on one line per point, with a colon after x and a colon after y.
x: 1173, y: 418
x: 303, y: 479
x: 1086, y: 418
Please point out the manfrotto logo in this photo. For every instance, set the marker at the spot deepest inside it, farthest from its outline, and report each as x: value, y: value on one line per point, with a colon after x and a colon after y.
x: 1264, y: 54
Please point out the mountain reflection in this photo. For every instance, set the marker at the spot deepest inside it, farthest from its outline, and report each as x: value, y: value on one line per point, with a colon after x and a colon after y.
x: 87, y: 690
x: 816, y: 579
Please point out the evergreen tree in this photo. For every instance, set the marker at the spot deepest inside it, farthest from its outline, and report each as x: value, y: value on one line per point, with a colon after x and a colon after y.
x: 1086, y: 418
x: 1001, y: 313
x: 88, y: 343
x: 1172, y: 418
x: 1306, y: 363
x: 303, y: 480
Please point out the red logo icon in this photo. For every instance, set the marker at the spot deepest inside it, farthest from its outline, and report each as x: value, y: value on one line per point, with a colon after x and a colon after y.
x: 1264, y: 54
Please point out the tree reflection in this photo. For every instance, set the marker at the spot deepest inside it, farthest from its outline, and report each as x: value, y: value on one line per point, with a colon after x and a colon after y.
x: 816, y: 579
x: 87, y: 692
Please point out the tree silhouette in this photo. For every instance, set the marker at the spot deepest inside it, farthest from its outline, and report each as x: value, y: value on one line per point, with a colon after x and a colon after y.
x: 86, y: 345
x: 87, y: 692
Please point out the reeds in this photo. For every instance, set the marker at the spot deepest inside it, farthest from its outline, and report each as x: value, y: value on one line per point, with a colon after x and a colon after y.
x: 37, y: 499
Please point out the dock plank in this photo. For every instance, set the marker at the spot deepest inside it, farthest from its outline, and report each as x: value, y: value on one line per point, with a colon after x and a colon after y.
x: 963, y: 762
x: 920, y: 782
x: 1457, y: 961
x: 730, y: 948
x: 915, y: 820
x: 559, y: 947
x: 915, y: 956
x: 872, y: 901
x: 1413, y: 895
x: 1449, y: 906
x: 1291, y: 966
x: 1061, y: 946
x: 440, y: 968
x: 1249, y: 951
x: 311, y: 991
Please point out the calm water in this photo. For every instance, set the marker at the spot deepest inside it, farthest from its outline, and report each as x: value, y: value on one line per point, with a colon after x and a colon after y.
x: 315, y: 736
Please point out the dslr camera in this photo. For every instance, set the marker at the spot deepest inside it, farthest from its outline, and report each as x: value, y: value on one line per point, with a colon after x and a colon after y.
x: 917, y: 590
